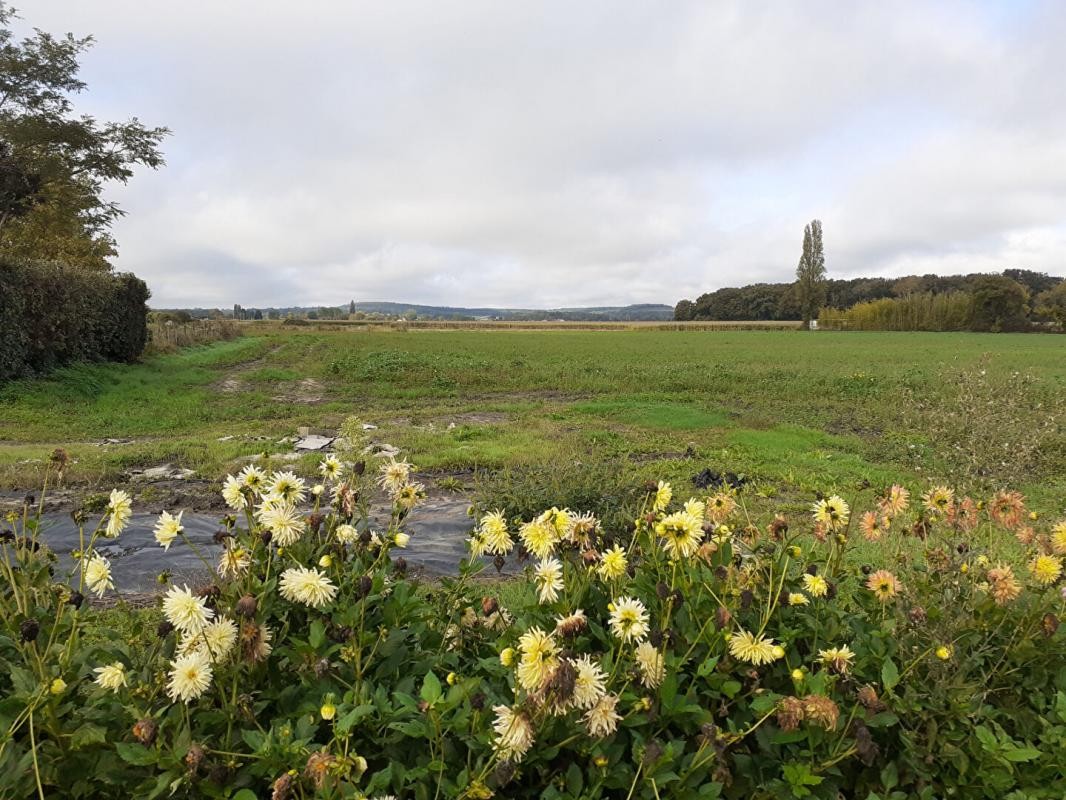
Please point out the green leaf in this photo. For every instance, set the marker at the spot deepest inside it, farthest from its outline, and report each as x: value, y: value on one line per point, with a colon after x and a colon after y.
x: 1019, y: 754
x: 245, y: 794
x: 135, y: 754
x: 889, y: 674
x: 87, y: 734
x: 317, y: 634
x: 574, y: 780
x: 431, y: 689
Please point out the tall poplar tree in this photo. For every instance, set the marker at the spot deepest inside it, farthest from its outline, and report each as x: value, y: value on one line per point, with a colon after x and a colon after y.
x: 810, y: 274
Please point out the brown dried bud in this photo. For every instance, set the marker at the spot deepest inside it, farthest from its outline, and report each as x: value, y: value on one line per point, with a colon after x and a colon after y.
x: 489, y: 605
x: 194, y: 757
x: 1049, y: 624
x: 779, y: 527
x: 364, y: 585
x: 498, y: 562
x: 662, y: 590
x: 322, y: 668
x: 221, y: 535
x: 652, y: 752
x: 867, y: 696
x: 917, y: 615
x: 282, y: 788
x: 359, y: 467
x: 265, y: 537
x: 76, y: 599
x: 314, y: 522
x: 400, y: 566
x: 865, y: 745
x: 722, y: 617
x: 164, y: 629
x: 29, y: 629
x: 820, y: 710
x: 145, y: 730
x: 746, y: 598
x: 247, y: 606
x: 790, y: 714
x: 318, y: 767
x: 477, y: 701
x: 590, y: 557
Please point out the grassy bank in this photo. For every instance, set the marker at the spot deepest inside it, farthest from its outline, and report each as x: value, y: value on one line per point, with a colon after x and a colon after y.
x: 794, y: 410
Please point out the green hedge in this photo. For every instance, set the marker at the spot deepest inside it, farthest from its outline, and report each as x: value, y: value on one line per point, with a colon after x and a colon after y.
x: 51, y: 314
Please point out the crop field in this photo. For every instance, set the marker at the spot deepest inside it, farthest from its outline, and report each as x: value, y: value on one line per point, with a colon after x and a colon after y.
x: 791, y: 411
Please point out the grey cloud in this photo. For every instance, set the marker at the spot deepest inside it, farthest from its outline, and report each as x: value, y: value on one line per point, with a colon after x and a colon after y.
x: 566, y: 154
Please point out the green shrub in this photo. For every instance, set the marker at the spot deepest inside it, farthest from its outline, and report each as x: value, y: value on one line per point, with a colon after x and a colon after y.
x: 51, y: 314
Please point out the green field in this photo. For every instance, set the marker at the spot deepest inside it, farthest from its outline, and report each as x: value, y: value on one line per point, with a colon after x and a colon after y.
x: 796, y: 412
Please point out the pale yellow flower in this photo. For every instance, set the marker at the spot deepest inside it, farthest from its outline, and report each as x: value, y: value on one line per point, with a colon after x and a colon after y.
x: 252, y: 477
x: 839, y: 658
x: 589, y: 684
x: 613, y: 564
x: 119, y: 511
x: 185, y: 611
x: 98, y: 575
x: 1046, y: 569
x: 629, y: 619
x: 283, y: 521
x: 394, y: 475
x: 493, y: 529
x: 753, y: 649
x: 233, y: 562
x: 307, y: 586
x: 233, y: 493
x: 346, y: 534
x: 112, y: 676
x: 330, y: 468
x: 650, y: 662
x: 798, y: 599
x: 190, y: 676
x: 539, y: 537
x: 549, y: 579
x: 816, y: 585
x: 664, y: 493
x: 681, y: 533
x: 831, y: 513
x: 286, y: 487
x: 167, y: 529
x: 539, y: 656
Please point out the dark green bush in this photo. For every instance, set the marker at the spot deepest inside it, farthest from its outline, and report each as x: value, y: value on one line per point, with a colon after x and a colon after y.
x: 52, y: 314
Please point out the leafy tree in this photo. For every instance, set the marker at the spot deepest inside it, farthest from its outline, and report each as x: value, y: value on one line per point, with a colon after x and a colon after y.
x: 1000, y: 304
x: 684, y: 310
x: 55, y: 163
x: 810, y: 273
x: 1052, y: 305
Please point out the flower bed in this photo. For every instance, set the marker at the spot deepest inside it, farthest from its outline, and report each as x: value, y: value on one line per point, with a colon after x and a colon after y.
x: 908, y: 650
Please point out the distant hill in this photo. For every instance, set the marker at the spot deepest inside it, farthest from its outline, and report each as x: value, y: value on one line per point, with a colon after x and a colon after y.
x: 631, y: 313
x: 642, y: 311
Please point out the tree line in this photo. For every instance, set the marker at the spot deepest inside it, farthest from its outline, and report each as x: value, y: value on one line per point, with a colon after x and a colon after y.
x: 55, y: 220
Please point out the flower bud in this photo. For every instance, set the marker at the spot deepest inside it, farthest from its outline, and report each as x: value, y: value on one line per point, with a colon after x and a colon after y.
x: 58, y: 686
x: 325, y: 562
x: 29, y: 629
x: 247, y: 606
x: 943, y: 653
x: 507, y: 657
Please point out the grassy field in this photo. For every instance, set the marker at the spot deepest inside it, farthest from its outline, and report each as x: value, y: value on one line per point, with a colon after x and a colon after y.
x: 796, y: 412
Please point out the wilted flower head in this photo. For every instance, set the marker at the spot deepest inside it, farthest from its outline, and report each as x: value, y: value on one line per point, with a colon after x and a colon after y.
x: 821, y: 710
x: 838, y: 658
x: 1007, y: 508
x: 1004, y: 586
x: 602, y: 719
x: 831, y: 513
x: 233, y: 562
x: 583, y: 529
x: 119, y: 510
x: 720, y: 505
x: 394, y: 475
x: 185, y: 611
x: 98, y: 574
x: 167, y: 529
x: 571, y: 624
x: 190, y: 675
x: 514, y: 733
x: 752, y: 648
x: 629, y: 619
x: 308, y: 586
x: 790, y: 714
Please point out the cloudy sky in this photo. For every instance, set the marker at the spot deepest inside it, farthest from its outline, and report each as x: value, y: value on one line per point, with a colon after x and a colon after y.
x: 562, y: 154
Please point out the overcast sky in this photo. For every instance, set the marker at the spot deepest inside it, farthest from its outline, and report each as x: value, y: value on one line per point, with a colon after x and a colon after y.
x: 562, y: 154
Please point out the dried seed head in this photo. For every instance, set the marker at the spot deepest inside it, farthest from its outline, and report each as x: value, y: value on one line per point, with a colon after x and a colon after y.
x: 247, y: 606
x: 194, y: 757
x: 145, y: 730
x: 29, y: 629
x: 282, y: 787
x: 790, y: 714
